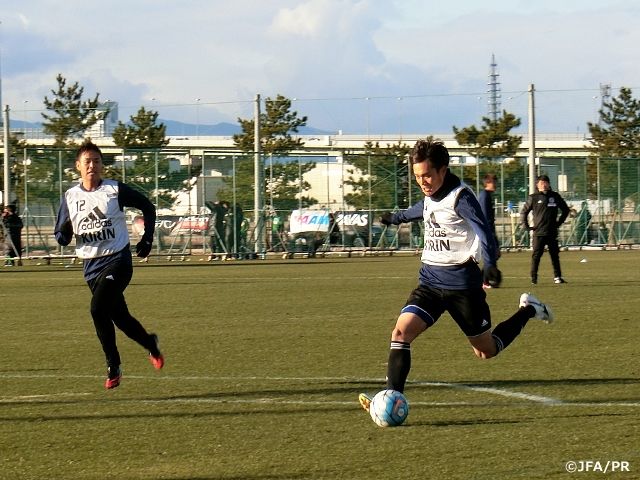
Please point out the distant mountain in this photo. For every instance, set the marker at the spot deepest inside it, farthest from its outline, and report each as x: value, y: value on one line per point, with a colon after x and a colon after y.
x: 178, y: 129
x: 314, y: 131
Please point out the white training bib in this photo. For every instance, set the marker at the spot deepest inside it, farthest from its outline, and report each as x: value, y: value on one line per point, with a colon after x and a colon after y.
x: 448, y: 239
x: 99, y: 225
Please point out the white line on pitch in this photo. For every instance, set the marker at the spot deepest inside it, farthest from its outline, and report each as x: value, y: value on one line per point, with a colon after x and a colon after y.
x: 280, y: 401
x: 494, y: 391
x: 40, y: 398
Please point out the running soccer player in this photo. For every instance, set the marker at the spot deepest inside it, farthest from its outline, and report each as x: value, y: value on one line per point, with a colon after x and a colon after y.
x: 450, y: 278
x: 92, y: 211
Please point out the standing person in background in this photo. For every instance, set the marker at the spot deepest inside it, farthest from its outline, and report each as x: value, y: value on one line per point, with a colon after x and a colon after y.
x: 217, y: 229
x: 227, y: 229
x: 583, y: 223
x: 234, y: 221
x: 485, y: 198
x: 92, y: 212
x: 334, y: 230
x: 545, y: 205
x: 12, y: 226
x: 277, y: 230
x: 244, y: 232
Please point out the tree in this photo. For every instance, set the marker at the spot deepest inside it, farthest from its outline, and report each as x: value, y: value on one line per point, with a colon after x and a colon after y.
x: 276, y: 125
x: 141, y: 133
x: 615, y: 138
x: 72, y: 115
x: 286, y: 189
x: 16, y: 170
x: 171, y: 178
x: 618, y: 133
x: 493, y: 139
x: 385, y: 171
x: 47, y: 173
x: 141, y: 142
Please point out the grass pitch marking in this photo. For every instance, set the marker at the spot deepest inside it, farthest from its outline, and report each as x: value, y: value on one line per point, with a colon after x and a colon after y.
x: 524, y: 398
x: 495, y: 391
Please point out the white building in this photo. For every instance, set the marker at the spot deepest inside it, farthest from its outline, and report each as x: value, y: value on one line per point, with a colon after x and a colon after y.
x: 104, y: 127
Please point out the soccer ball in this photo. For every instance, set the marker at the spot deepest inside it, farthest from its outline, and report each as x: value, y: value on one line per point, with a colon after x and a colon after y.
x: 389, y: 408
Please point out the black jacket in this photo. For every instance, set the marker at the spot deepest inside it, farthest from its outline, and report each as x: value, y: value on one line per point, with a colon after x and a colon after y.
x: 545, y: 208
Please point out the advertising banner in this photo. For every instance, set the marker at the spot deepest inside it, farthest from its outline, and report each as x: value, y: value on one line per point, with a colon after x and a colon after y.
x: 352, y: 219
x: 174, y: 224
x: 318, y: 220
x: 309, y: 221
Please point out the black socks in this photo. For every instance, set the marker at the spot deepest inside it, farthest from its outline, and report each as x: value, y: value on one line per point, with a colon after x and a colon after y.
x: 508, y: 330
x: 399, y: 365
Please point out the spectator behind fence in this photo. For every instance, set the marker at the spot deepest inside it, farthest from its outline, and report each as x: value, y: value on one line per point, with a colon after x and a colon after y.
x: 277, y: 230
x: 334, y: 230
x: 234, y: 222
x: 217, y: 229
x: 12, y: 226
x: 583, y: 219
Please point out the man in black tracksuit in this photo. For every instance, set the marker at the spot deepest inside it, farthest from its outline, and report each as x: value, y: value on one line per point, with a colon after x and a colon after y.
x: 545, y: 204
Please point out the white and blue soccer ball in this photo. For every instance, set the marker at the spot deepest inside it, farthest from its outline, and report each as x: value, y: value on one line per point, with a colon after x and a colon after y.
x: 389, y: 408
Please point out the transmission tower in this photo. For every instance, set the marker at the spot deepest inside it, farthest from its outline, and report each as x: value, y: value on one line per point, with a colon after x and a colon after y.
x: 605, y: 96
x: 493, y: 90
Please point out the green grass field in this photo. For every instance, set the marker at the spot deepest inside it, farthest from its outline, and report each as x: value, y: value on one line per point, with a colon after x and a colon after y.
x: 265, y: 360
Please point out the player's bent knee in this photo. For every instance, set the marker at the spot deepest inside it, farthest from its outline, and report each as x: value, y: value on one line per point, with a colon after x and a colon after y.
x: 484, y: 355
x: 399, y: 335
x: 407, y: 328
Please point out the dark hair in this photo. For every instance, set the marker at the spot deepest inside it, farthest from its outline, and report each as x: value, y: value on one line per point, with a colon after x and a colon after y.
x: 432, y: 150
x: 543, y: 178
x: 11, y: 208
x: 490, y: 177
x: 87, y: 146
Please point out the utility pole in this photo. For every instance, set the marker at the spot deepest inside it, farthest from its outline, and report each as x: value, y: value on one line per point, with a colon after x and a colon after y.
x: 6, y: 197
x: 257, y: 175
x: 532, y: 141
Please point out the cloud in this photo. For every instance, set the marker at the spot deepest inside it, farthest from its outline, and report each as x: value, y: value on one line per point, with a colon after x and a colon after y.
x: 25, y: 21
x: 327, y: 40
x: 330, y: 54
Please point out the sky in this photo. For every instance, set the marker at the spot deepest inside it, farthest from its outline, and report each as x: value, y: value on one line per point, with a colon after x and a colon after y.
x: 355, y: 66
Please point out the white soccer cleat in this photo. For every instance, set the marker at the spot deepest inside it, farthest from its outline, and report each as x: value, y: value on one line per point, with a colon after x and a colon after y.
x: 543, y: 311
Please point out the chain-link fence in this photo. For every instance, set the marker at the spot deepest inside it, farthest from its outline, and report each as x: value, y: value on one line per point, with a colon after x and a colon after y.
x: 206, y: 206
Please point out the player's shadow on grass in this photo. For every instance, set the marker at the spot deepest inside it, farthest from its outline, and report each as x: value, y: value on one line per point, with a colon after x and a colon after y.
x: 464, y: 423
x: 255, y: 409
x: 251, y: 477
x: 499, y: 421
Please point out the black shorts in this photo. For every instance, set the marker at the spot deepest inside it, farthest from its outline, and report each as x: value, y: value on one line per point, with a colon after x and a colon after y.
x: 468, y: 308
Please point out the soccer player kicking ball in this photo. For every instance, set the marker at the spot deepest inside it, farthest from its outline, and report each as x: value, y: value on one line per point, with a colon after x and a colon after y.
x: 450, y: 278
x: 93, y: 212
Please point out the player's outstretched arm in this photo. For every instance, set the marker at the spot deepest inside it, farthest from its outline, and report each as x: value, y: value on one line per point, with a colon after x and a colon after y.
x: 63, y: 230
x: 128, y: 197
